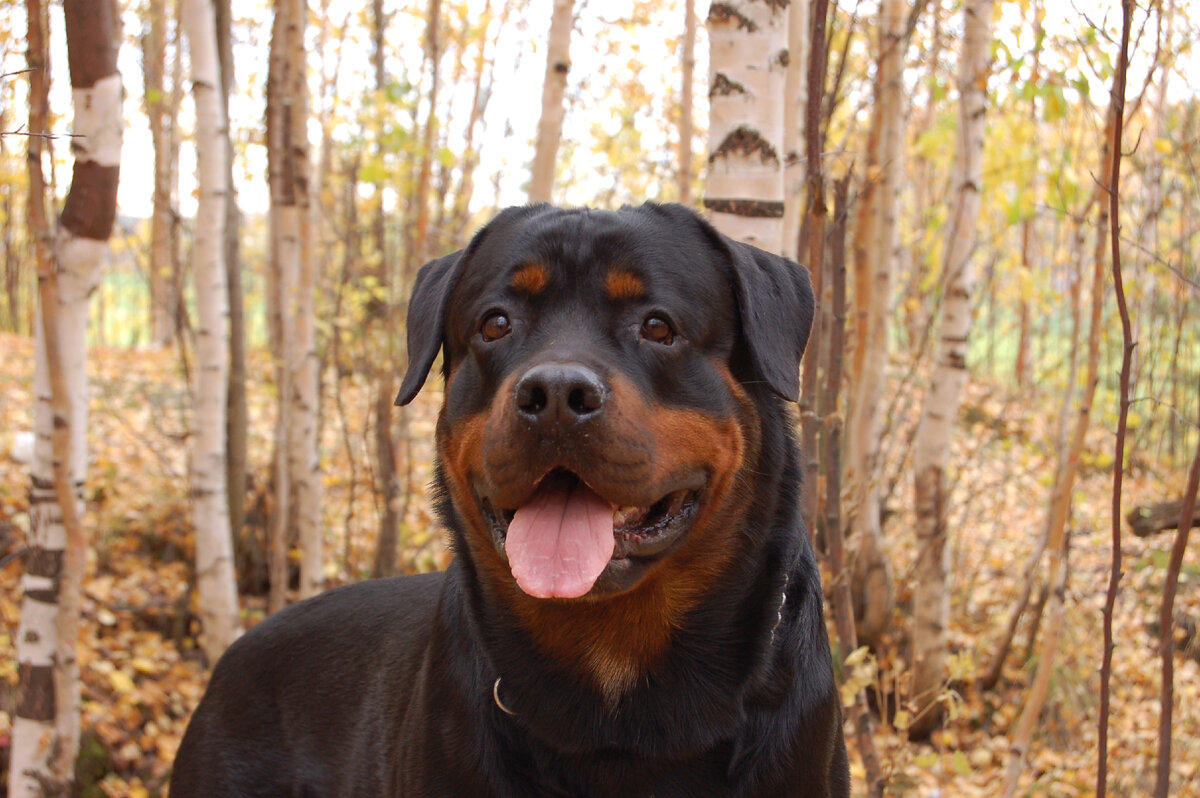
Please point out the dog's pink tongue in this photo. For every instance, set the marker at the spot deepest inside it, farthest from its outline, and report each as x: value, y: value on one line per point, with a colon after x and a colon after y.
x: 560, y: 541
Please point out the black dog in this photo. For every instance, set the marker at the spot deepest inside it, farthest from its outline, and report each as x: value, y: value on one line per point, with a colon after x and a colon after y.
x: 634, y: 608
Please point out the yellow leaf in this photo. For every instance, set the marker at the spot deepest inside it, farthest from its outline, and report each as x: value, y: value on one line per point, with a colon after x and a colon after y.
x: 856, y: 656
x: 121, y: 682
x: 144, y: 666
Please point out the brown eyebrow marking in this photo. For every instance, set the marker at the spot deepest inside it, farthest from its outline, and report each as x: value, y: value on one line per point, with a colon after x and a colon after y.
x: 531, y: 278
x: 621, y: 284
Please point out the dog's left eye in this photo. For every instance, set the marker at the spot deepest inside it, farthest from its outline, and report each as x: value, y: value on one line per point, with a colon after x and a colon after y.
x: 495, y: 327
x: 658, y: 330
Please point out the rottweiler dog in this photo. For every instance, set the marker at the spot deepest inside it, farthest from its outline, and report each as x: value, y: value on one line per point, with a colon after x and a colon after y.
x: 634, y: 608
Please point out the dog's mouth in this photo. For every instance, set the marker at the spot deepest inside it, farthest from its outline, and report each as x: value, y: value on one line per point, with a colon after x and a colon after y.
x: 561, y: 541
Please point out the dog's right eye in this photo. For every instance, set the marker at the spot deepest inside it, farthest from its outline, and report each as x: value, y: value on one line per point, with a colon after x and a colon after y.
x: 658, y: 330
x: 495, y: 327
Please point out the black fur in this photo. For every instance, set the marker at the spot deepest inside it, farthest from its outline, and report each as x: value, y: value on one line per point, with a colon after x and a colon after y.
x: 384, y: 688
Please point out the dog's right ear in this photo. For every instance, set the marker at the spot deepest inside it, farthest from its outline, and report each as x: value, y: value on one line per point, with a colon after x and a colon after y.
x: 426, y: 320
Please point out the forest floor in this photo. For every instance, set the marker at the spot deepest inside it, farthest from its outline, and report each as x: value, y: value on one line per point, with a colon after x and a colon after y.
x: 143, y: 675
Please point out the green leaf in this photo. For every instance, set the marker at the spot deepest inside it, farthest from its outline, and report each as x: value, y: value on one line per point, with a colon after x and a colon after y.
x: 373, y: 172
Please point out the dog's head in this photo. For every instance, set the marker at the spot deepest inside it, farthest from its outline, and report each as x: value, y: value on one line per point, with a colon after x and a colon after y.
x: 605, y: 374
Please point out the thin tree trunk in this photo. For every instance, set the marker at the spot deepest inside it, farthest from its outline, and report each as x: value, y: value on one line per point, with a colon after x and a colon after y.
x: 831, y: 445
x: 178, y: 272
x: 795, y: 101
x: 687, y: 103
x: 215, y: 582
x: 1117, y: 113
x: 13, y: 279
x: 875, y: 266
x: 554, y: 89
x: 283, y: 271
x: 45, y: 732
x: 418, y: 253
x: 297, y: 505
x: 384, y: 390
x: 237, y: 421
x: 931, y: 600
x: 162, y: 301
x: 1021, y: 367
x: 815, y: 213
x: 1162, y: 784
x: 748, y: 59
x: 305, y: 463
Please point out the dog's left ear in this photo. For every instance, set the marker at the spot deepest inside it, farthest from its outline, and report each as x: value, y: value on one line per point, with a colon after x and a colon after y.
x: 426, y: 319
x: 775, y: 300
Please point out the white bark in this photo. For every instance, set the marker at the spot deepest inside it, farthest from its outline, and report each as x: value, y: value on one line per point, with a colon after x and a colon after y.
x: 306, y: 471
x: 297, y: 472
x: 795, y: 101
x: 748, y: 44
x: 45, y: 729
x: 932, y: 446
x: 305, y: 465
x: 215, y: 582
x: 687, y: 102
x: 558, y: 64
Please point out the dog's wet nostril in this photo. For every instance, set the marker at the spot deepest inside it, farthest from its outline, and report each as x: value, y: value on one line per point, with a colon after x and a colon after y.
x: 585, y: 399
x: 531, y: 398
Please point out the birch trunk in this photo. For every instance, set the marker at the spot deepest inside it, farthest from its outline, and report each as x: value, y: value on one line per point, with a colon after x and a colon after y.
x: 687, y: 103
x: 163, y: 302
x: 297, y: 477
x: 45, y: 728
x: 748, y: 58
x: 931, y: 600
x: 215, y: 583
x: 237, y: 421
x: 795, y: 103
x: 876, y: 252
x: 554, y: 89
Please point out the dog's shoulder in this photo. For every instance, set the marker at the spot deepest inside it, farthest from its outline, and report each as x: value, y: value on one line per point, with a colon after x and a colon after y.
x: 349, y: 653
x: 361, y: 615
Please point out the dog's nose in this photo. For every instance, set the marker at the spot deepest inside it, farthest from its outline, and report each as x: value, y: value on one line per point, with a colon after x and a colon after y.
x: 559, y: 394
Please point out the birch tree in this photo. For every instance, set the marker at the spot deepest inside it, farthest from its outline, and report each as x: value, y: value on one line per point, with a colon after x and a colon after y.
x: 795, y: 103
x: 237, y: 422
x: 687, y: 102
x: 554, y: 89
x: 876, y: 250
x: 931, y: 603
x: 217, y: 593
x: 159, y: 114
x: 298, y: 477
x: 45, y: 727
x: 748, y: 58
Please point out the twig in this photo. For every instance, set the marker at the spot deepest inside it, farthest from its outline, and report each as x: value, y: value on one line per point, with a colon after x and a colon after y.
x: 47, y: 136
x: 1114, y: 578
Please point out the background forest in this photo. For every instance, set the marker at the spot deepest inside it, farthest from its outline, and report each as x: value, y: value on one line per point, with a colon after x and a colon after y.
x: 1002, y: 395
